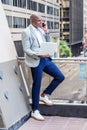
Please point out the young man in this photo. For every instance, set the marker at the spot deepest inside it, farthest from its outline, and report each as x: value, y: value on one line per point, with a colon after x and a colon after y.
x: 32, y: 38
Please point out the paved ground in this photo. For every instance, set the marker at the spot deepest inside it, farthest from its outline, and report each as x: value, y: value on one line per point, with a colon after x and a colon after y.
x: 56, y: 123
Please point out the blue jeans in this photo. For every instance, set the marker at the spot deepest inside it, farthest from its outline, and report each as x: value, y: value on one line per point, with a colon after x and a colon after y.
x: 47, y: 66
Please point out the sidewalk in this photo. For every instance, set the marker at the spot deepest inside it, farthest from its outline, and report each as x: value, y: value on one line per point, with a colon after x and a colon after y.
x: 56, y: 123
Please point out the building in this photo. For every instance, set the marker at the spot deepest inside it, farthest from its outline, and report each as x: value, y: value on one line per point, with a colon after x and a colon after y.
x: 76, y: 25
x: 73, y: 25
x: 64, y: 20
x: 19, y: 11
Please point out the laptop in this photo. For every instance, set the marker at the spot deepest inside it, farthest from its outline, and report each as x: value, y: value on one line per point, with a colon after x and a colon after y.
x: 47, y: 48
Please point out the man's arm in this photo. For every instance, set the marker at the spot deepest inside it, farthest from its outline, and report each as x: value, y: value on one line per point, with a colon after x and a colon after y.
x: 26, y: 42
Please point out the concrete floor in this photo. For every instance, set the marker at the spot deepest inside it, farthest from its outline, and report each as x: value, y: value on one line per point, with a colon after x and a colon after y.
x: 56, y: 123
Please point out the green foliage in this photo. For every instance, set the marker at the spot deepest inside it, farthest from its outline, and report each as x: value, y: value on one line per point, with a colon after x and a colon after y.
x: 64, y: 49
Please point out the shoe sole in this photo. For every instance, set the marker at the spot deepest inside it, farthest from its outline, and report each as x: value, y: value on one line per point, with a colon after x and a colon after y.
x: 37, y: 118
x: 46, y: 103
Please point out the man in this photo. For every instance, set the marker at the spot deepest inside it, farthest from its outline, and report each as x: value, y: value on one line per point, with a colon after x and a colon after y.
x: 32, y: 38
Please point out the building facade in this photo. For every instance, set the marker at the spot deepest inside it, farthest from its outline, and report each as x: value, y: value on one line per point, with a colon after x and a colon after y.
x: 64, y: 20
x: 76, y: 25
x: 19, y: 11
x: 73, y: 25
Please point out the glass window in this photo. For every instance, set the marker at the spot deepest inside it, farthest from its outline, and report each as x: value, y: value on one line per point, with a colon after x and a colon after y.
x: 50, y: 24
x: 56, y: 25
x: 66, y: 26
x: 22, y: 3
x: 28, y: 22
x: 15, y: 3
x: 9, y: 19
x: 65, y: 13
x: 19, y: 22
x: 15, y: 22
x: 22, y: 23
x: 9, y: 2
x: 19, y: 3
x: 56, y: 12
x: 49, y: 10
x: 41, y: 7
x: 32, y: 5
x: 28, y: 4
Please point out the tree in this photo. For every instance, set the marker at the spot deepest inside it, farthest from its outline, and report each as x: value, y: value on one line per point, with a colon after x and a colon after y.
x: 64, y: 49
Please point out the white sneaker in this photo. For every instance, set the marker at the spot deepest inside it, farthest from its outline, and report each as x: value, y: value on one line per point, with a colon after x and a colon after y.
x: 36, y: 115
x: 46, y: 100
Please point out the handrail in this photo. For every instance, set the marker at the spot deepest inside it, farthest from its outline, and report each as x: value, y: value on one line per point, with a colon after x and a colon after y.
x: 71, y: 60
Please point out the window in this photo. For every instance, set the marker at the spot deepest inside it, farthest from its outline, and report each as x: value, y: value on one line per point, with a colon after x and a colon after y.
x: 19, y: 22
x: 19, y: 3
x: 28, y: 22
x: 14, y: 2
x: 49, y: 10
x: 66, y: 13
x: 9, y: 2
x: 50, y: 24
x: 41, y: 7
x: 56, y: 25
x: 9, y: 19
x: 56, y: 12
x: 66, y: 26
x: 32, y: 5
x: 22, y: 3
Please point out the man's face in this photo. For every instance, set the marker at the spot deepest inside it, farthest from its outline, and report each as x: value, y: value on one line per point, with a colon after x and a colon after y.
x: 38, y: 22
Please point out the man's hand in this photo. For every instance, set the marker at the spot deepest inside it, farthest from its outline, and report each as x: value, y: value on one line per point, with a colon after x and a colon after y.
x: 44, y: 56
x: 45, y: 28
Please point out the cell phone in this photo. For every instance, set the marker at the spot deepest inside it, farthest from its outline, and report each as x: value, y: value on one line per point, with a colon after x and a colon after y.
x: 43, y: 24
